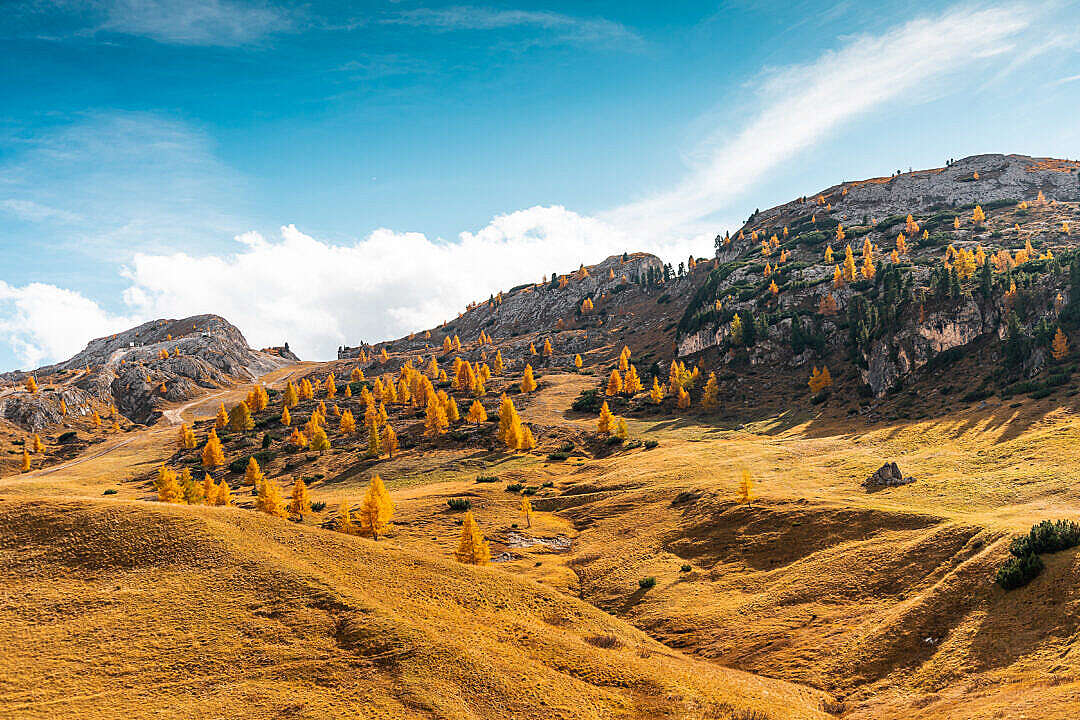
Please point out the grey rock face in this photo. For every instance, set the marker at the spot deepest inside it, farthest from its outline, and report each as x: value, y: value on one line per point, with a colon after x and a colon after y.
x: 128, y: 369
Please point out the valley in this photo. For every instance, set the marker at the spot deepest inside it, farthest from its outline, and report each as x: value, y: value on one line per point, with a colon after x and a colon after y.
x: 645, y: 582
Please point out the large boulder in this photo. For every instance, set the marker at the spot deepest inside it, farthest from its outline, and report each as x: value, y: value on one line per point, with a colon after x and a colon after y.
x: 888, y: 475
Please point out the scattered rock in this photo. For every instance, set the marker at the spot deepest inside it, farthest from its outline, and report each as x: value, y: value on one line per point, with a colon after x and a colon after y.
x: 888, y: 475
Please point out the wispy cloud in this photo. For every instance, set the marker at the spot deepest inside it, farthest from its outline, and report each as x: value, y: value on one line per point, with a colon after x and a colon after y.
x: 561, y: 28
x: 1065, y: 80
x: 195, y: 22
x: 173, y: 22
x: 802, y: 104
x: 122, y: 180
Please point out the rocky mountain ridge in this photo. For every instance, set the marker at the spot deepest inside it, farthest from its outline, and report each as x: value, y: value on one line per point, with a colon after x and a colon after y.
x: 139, y: 369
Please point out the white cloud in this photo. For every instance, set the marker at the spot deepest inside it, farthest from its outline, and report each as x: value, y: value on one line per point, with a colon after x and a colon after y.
x: 801, y: 104
x: 563, y: 28
x: 44, y: 323
x: 318, y: 296
x: 195, y: 22
x: 36, y: 212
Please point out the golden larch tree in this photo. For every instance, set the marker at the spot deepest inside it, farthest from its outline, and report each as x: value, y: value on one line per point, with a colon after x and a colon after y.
x: 291, y: 398
x: 656, y: 393
x: 212, y: 455
x: 269, y: 500
x: 300, y: 499
x: 632, y: 381
x: 187, y: 437
x: 253, y: 474
x: 286, y: 419
x: 614, y: 384
x: 606, y: 420
x: 331, y: 385
x: 745, y: 493
x: 240, y: 418
x: 376, y: 509
x: 168, y: 487
x: 528, y: 382
x: 682, y: 399
x: 577, y: 361
x: 710, y: 399
x: 221, y: 420
x: 526, y: 510
x: 389, y: 440
x: 472, y: 548
x: 31, y: 385
x: 319, y: 441
x: 476, y: 413
x: 1060, y: 345
x: 347, y: 423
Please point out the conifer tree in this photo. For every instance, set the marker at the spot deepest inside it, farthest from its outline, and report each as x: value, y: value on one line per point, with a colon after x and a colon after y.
x: 253, y: 474
x: 868, y: 267
x: 452, y: 412
x: 187, y: 437
x: 168, y: 488
x: 357, y: 374
x: 95, y: 419
x: 212, y: 455
x: 63, y: 407
x: 656, y: 394
x: 499, y: 365
x: 240, y: 418
x: 547, y: 346
x: 374, y: 444
x: 901, y: 245
x: 25, y: 460
x: 526, y: 510
x: 472, y: 548
x: 526, y: 441
x: 31, y: 385
x: 528, y: 382
x: 710, y: 399
x: 745, y: 493
x: 221, y: 420
x: 347, y: 423
x: 193, y: 492
x: 736, y: 330
x: 476, y: 413
x: 300, y: 499
x: 331, y: 386
x: 910, y: 226
x: 269, y: 499
x: 605, y: 421
x: 389, y: 440
x: 1060, y: 346
x: 435, y: 420
x: 345, y: 522
x: 849, y: 264
x: 828, y: 254
x: 632, y: 382
x: 837, y: 278
x: 509, y: 424
x: 209, y: 489
x: 773, y: 288
x: 614, y: 384
x: 977, y: 215
x: 223, y: 495
x: 297, y: 440
x: 577, y: 361
x: 319, y: 441
x: 286, y: 419
x: 376, y: 509
x: 682, y: 399
x: 827, y: 305
x: 291, y: 398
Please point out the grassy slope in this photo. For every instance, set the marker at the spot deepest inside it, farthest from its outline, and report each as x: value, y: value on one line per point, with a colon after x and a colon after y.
x: 198, y: 612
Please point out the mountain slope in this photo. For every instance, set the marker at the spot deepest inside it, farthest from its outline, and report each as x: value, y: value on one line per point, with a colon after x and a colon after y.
x: 201, y: 611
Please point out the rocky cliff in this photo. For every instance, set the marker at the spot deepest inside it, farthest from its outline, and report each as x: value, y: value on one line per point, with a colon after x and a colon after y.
x: 138, y: 370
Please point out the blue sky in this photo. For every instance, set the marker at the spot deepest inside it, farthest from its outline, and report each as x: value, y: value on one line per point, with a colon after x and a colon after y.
x: 341, y: 171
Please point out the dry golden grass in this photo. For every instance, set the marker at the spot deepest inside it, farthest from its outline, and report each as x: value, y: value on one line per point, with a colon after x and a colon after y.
x: 883, y: 599
x: 122, y: 608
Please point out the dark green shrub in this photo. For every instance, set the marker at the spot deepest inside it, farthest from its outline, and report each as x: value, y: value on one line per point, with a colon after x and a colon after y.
x: 588, y: 401
x: 487, y: 478
x: 529, y: 491
x: 1019, y: 571
x: 685, y: 568
x: 459, y: 504
x: 558, y: 456
x: 318, y: 506
x: 650, y: 444
x: 69, y: 436
x: 548, y: 484
x: 110, y: 491
x: 646, y: 582
x: 514, y: 487
x: 613, y: 440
